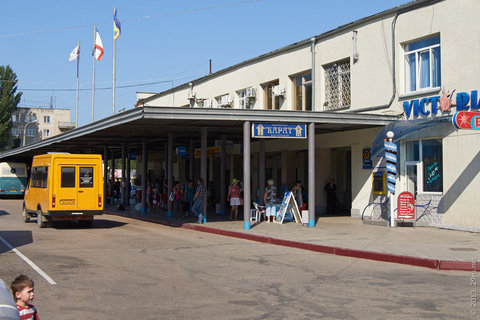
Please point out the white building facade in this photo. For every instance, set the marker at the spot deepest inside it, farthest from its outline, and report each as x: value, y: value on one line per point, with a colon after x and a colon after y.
x: 412, y: 61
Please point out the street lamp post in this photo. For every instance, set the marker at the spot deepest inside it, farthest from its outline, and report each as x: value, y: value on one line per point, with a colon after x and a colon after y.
x: 25, y: 130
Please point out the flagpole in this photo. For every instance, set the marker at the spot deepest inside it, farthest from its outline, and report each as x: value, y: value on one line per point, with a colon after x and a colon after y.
x: 113, y: 98
x: 93, y: 73
x: 76, y: 104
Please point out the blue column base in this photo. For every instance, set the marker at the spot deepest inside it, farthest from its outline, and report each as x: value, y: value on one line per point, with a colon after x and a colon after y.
x: 246, y: 225
x: 222, y: 212
x: 204, y: 219
x: 170, y: 214
x: 143, y: 211
x: 311, y: 223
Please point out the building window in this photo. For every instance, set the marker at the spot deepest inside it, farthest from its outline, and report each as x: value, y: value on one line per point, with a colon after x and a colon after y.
x: 30, y: 117
x: 337, y: 85
x: 271, y: 101
x: 246, y: 98
x: 46, y: 133
x: 14, y: 118
x: 46, y: 119
x: 422, y: 64
x: 30, y: 132
x: 303, y: 92
x: 424, y: 166
x: 15, y: 132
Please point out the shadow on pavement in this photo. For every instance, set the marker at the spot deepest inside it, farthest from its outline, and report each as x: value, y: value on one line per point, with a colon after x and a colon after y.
x: 15, y: 239
x: 97, y: 224
x: 4, y: 213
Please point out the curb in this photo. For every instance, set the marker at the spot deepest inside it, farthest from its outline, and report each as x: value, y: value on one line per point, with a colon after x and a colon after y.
x: 444, y: 265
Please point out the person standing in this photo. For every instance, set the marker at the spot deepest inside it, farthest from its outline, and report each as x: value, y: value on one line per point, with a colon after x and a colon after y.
x: 234, y: 197
x: 269, y: 199
x: 189, y: 194
x: 297, y: 193
x: 23, y: 293
x: 177, y: 202
x: 331, y: 192
x: 197, y: 207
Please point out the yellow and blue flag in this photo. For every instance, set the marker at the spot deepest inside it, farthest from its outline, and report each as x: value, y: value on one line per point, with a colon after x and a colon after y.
x: 116, y: 26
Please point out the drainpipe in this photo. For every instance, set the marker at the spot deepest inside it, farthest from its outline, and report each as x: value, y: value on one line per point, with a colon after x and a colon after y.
x: 313, y: 72
x: 394, y: 85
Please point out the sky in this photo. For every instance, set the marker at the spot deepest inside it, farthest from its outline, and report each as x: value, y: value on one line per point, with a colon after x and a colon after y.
x: 162, y: 43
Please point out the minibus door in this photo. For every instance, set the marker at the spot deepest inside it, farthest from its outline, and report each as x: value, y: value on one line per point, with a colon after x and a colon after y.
x: 64, y: 196
x: 87, y: 188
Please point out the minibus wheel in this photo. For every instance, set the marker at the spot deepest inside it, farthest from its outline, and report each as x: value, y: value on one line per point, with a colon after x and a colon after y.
x: 26, y: 216
x: 41, y: 223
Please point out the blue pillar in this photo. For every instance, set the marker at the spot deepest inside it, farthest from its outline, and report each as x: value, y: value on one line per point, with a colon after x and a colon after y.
x: 311, y: 175
x: 246, y: 175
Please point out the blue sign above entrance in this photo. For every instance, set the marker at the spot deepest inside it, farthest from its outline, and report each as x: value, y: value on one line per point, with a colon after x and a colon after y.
x: 279, y: 130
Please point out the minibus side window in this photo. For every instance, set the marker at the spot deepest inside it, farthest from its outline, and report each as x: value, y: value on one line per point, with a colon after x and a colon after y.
x: 68, y: 177
x: 86, y: 177
x: 39, y: 177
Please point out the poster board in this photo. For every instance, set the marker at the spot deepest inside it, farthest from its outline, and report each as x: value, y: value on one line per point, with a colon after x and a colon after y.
x: 288, y: 203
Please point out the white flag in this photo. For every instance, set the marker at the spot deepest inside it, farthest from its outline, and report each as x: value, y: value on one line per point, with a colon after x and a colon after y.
x: 74, y: 54
x: 98, y: 47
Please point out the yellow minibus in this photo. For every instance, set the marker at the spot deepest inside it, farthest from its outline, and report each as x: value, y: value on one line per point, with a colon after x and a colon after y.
x: 64, y: 187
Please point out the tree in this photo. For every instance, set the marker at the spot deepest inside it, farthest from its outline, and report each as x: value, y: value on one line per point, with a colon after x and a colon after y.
x: 9, y: 99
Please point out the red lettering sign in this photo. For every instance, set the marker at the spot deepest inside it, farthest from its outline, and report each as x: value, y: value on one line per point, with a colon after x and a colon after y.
x: 406, y: 206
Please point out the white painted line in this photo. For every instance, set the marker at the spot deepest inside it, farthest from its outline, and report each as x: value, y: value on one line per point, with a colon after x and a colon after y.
x: 29, y: 262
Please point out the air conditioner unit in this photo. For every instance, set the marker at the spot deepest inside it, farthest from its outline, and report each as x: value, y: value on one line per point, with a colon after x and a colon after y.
x: 207, y: 103
x: 278, y: 90
x: 250, y: 92
x: 225, y: 100
x: 191, y: 95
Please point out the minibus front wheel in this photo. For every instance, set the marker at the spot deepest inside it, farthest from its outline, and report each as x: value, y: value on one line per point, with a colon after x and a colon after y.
x: 26, y: 216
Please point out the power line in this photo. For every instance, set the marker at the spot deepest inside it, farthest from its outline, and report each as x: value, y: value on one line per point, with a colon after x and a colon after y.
x: 104, y: 88
x: 11, y: 35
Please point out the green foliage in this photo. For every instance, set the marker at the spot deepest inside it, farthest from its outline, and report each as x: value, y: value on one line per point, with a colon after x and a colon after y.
x: 9, y: 99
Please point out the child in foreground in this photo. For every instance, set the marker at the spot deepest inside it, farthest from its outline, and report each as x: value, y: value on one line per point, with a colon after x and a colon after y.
x: 23, y: 294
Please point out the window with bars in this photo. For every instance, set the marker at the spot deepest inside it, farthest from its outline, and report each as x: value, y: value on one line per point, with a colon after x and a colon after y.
x: 337, y: 85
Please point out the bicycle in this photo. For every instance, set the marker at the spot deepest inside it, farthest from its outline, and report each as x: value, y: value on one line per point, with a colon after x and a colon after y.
x: 376, y: 211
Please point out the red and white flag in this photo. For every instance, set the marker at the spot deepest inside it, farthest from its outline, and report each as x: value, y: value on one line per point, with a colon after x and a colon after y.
x: 98, y: 47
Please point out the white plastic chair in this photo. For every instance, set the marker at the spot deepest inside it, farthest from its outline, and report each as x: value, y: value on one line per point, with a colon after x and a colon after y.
x: 257, y: 214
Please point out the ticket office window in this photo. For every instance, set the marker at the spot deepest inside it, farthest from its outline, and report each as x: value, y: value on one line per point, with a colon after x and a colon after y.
x: 424, y: 166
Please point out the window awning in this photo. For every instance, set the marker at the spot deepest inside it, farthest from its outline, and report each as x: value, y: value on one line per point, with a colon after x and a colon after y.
x: 401, y: 130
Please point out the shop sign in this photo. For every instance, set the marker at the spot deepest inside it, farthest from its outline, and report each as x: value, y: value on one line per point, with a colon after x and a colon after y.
x: 367, y: 159
x: 466, y: 120
x: 426, y: 106
x: 391, y: 165
x: 211, y: 152
x: 181, y: 151
x: 279, y: 130
x: 406, y: 206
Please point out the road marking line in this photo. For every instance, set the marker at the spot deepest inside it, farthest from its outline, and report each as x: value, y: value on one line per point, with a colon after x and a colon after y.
x: 29, y: 262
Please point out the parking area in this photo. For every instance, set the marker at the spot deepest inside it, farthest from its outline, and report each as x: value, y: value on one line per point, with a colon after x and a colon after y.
x: 127, y: 268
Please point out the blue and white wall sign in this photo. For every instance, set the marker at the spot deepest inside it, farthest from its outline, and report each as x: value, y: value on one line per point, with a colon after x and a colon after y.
x: 279, y: 130
x: 431, y: 105
x: 391, y: 164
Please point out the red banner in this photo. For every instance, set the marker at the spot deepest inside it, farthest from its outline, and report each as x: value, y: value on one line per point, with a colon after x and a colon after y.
x: 406, y: 206
x: 466, y: 120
